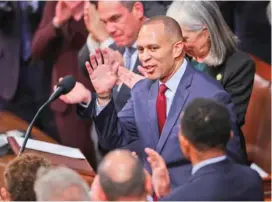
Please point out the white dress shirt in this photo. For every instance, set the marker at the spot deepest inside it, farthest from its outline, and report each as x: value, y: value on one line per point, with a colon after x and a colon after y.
x: 172, y: 85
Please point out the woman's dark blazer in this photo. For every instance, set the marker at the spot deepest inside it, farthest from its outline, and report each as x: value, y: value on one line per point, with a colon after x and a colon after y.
x: 236, y: 75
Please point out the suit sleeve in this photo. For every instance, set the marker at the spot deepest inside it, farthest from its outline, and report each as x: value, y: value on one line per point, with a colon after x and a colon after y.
x: 116, y: 131
x: 236, y: 149
x: 239, y: 86
x: 83, y: 56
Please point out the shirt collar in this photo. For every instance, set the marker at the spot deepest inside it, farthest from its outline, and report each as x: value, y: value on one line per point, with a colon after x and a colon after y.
x: 207, y: 162
x: 173, y: 82
x: 134, y: 45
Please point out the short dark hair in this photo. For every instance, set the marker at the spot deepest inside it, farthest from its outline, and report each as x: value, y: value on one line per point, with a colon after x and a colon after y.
x: 206, y: 124
x: 20, y: 175
x: 128, y: 4
x: 171, y: 26
x: 134, y: 186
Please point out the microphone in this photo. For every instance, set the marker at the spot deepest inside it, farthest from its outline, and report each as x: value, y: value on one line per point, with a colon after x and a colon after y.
x: 64, y: 87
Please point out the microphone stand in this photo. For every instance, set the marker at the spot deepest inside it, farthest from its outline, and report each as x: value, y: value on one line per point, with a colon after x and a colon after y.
x: 29, y: 129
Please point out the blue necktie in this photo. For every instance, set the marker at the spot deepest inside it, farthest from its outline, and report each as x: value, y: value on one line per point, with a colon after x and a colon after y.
x: 128, y: 54
x: 25, y: 32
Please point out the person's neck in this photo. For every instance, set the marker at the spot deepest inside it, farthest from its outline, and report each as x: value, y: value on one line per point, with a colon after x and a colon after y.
x: 202, y: 156
x: 175, y: 68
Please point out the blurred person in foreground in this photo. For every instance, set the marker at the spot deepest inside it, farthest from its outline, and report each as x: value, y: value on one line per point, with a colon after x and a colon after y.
x: 19, y: 177
x: 204, y: 132
x: 60, y: 184
x: 121, y: 177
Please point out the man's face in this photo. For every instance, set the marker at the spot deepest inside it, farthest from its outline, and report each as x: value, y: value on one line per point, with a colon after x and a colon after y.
x: 121, y: 24
x: 195, y: 42
x: 156, y: 51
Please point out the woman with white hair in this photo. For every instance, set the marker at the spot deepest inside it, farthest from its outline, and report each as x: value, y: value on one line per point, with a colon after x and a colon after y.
x: 211, y: 46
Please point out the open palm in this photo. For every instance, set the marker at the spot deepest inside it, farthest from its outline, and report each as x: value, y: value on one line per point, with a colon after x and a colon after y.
x: 102, y: 75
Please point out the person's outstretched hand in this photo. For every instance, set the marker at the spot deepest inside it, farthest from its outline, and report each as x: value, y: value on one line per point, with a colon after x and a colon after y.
x: 103, y: 74
x: 160, y: 175
x: 77, y: 95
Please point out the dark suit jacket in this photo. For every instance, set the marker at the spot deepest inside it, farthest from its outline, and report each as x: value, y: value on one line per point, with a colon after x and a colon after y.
x: 237, y: 77
x: 10, y: 50
x: 124, y: 94
x: 136, y: 127
x: 221, y: 181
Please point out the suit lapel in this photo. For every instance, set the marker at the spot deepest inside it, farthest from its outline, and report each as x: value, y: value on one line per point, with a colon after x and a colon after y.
x: 152, y: 112
x: 177, y: 106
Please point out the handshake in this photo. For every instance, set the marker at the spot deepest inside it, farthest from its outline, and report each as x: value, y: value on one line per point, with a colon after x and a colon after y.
x: 106, y: 70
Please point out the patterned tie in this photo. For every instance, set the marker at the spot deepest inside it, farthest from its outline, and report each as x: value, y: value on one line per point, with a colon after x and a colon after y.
x: 128, y: 54
x: 161, y: 106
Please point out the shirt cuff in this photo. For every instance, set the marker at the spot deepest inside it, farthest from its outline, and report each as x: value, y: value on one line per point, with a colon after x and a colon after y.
x: 99, y: 108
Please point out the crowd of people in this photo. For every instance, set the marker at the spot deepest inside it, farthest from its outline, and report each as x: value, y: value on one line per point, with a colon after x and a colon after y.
x: 161, y: 94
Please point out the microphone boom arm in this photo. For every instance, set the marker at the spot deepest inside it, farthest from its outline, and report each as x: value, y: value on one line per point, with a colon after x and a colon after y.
x: 29, y: 129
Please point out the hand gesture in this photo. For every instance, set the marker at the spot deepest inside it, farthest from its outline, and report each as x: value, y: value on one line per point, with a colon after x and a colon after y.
x: 62, y: 14
x: 77, y: 95
x: 127, y: 77
x: 93, y: 23
x: 102, y: 75
x: 160, y: 175
x: 143, y: 71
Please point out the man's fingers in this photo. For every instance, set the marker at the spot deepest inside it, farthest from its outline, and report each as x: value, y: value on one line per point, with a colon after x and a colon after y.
x: 142, y: 71
x: 150, y: 152
x: 98, y: 57
x: 93, y: 61
x: 106, y: 56
x: 89, y: 68
x: 114, y: 67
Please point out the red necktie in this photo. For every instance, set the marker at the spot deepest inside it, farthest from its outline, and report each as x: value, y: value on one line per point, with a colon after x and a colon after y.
x: 161, y: 106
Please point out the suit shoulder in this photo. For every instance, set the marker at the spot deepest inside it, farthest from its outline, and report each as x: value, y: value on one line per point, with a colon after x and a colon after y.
x: 247, y: 171
x: 237, y: 62
x: 144, y: 84
x: 202, y: 80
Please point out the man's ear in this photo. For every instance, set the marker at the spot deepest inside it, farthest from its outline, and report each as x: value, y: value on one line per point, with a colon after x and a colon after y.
x: 138, y: 10
x: 178, y: 49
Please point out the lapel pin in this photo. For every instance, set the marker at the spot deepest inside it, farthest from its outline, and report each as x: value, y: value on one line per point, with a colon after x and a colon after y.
x: 218, y: 77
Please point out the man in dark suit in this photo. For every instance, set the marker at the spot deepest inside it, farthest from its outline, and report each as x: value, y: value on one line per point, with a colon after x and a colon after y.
x: 151, y: 116
x: 24, y: 85
x: 205, y: 131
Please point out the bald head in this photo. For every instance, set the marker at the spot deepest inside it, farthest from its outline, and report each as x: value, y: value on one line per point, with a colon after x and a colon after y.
x: 121, y: 175
x: 171, y: 27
